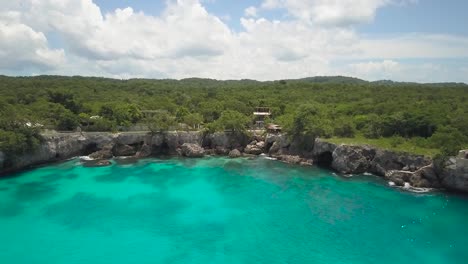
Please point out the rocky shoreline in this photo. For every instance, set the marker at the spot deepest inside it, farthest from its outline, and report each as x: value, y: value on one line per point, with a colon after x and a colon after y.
x: 399, y: 169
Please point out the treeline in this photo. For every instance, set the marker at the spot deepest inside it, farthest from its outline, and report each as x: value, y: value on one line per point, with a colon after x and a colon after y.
x: 433, y: 116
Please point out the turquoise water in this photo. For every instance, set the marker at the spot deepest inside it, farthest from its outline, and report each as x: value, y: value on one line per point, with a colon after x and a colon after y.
x: 217, y: 210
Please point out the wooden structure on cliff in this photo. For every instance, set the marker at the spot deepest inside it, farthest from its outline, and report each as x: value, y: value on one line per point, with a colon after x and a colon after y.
x: 260, y: 115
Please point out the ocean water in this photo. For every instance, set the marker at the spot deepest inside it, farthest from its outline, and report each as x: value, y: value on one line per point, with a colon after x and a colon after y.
x: 216, y: 210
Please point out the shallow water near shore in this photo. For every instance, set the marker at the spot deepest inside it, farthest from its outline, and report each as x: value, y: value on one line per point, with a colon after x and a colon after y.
x: 217, y: 210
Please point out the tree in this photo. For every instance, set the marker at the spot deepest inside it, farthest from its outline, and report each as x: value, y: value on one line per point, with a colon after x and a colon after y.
x: 160, y: 122
x: 64, y: 98
x: 449, y: 140
x: 67, y: 121
x: 233, y: 121
x: 310, y: 120
x: 193, y: 120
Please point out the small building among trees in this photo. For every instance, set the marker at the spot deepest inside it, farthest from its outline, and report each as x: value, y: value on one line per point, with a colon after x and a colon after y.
x: 260, y: 115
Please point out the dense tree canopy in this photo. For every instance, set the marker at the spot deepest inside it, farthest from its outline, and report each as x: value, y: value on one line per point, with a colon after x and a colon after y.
x: 430, y: 115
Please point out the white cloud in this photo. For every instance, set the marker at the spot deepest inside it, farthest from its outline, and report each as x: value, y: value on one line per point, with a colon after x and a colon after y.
x: 326, y: 12
x: 185, y: 41
x: 251, y: 11
x: 333, y: 12
x: 21, y: 47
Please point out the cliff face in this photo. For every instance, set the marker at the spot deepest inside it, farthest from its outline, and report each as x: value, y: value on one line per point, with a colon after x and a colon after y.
x: 453, y: 173
x: 347, y: 159
x: 418, y: 171
x: 102, y: 145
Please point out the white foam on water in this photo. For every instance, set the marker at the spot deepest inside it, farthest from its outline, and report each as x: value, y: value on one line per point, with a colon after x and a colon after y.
x: 409, y: 188
x: 85, y: 158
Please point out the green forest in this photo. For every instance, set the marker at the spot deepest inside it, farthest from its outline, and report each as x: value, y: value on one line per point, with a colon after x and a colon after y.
x: 427, y: 119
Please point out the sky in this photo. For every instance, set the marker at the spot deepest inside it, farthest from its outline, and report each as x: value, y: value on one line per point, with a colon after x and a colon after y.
x: 400, y: 40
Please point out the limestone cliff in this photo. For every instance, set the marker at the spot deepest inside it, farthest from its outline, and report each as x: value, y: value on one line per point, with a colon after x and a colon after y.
x: 399, y: 168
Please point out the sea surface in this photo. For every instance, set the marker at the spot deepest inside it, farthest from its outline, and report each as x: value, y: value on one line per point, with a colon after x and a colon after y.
x: 217, y: 210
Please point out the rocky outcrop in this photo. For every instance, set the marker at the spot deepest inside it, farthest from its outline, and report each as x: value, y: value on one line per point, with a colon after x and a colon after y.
x: 356, y: 159
x: 254, y: 148
x: 385, y: 160
x: 453, y: 174
x: 235, y: 153
x: 2, y: 159
x: 221, y: 151
x: 96, y: 163
x: 227, y: 140
x: 53, y: 148
x: 352, y: 159
x: 175, y: 140
x: 402, y: 169
x: 144, y: 152
x: 295, y: 159
x: 322, y: 147
x: 104, y: 153
x: 192, y: 150
x: 425, y: 177
x: 290, y: 159
x: 276, y: 144
x: 123, y: 150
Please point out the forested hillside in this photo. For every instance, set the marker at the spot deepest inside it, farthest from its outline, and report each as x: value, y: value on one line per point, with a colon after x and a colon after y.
x: 421, y: 117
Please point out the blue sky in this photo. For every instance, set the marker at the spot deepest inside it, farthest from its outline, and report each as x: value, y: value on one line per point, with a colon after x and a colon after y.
x: 403, y: 40
x: 432, y: 16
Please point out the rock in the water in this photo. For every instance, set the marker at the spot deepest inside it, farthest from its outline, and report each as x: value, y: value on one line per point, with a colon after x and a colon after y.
x: 144, y: 152
x: 103, y: 163
x: 235, y: 153
x: 219, y: 150
x: 192, y: 150
x: 307, y: 162
x: 290, y: 159
x: 422, y: 178
x: 253, y: 149
x: 96, y: 163
x: 399, y: 177
x: 124, y: 150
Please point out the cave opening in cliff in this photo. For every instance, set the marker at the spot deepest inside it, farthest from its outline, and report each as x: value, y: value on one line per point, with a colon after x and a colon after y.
x: 325, y: 159
x: 162, y: 149
x: 90, y: 148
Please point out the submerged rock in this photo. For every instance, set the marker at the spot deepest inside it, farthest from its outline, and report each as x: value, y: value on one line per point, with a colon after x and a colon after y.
x: 192, y: 150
